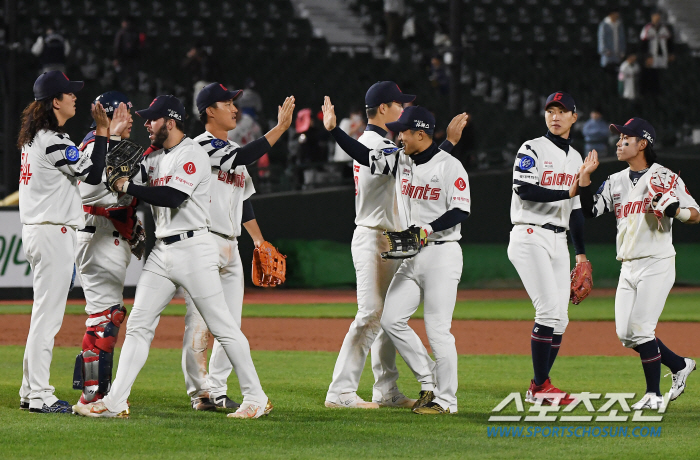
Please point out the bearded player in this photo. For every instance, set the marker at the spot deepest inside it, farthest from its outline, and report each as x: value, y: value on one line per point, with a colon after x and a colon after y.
x: 645, y: 197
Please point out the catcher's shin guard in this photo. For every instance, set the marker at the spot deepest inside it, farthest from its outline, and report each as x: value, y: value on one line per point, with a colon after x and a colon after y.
x: 93, y: 366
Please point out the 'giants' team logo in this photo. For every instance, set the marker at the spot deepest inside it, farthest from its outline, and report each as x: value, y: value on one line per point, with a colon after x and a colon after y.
x: 550, y: 178
x: 419, y: 193
x: 159, y: 181
x: 189, y: 168
x: 460, y: 184
x: 633, y: 207
x: 238, y: 180
x: 25, y: 175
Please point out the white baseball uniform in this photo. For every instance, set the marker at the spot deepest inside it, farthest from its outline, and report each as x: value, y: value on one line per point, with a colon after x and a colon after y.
x: 103, y: 255
x: 191, y: 262
x: 645, y: 250
x: 376, y: 211
x: 228, y: 191
x: 538, y: 252
x: 426, y: 191
x: 51, y: 211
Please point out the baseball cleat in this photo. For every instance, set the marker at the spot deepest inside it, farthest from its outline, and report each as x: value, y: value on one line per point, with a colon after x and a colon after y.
x: 98, y: 409
x: 649, y: 401
x: 23, y: 405
x: 679, y: 378
x: 424, y: 398
x: 537, y: 392
x: 247, y: 410
x: 431, y: 408
x: 59, y: 407
x: 351, y: 401
x: 398, y: 400
x: 225, y: 402
x: 203, y: 404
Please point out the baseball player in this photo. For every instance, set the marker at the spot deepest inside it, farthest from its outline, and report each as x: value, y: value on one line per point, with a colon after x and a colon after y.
x: 376, y: 211
x: 645, y: 198
x: 175, y: 180
x: 102, y: 258
x: 433, y: 195
x: 231, y: 188
x: 51, y: 211
x: 542, y: 209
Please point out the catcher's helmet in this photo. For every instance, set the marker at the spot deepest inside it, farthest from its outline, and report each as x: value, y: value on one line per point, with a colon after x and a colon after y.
x: 110, y: 101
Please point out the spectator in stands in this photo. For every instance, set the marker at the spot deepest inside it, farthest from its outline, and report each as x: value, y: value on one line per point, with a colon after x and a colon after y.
x: 596, y: 133
x: 354, y: 126
x: 311, y: 147
x: 438, y: 75
x: 393, y: 15
x: 52, y: 50
x: 611, y: 42
x: 199, y: 65
x: 250, y: 101
x: 660, y: 39
x: 127, y: 48
x: 628, y: 85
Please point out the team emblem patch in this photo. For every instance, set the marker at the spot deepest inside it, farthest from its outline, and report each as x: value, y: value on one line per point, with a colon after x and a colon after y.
x: 529, y: 231
x: 218, y: 143
x: 460, y: 184
x: 72, y: 153
x: 189, y: 168
x: 63, y: 230
x: 116, y: 242
x: 389, y: 150
x: 526, y: 163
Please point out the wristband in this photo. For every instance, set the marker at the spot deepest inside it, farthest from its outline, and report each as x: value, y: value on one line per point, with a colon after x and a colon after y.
x: 115, y: 138
x: 683, y: 214
x: 125, y: 186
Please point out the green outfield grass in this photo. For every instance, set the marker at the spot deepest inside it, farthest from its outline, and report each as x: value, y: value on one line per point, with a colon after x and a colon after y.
x: 679, y: 307
x: 163, y: 426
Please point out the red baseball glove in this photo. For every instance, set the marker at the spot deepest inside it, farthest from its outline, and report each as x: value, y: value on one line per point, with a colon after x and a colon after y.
x: 581, y: 282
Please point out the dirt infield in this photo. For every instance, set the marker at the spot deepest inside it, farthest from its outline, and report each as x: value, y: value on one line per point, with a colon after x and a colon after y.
x: 472, y: 337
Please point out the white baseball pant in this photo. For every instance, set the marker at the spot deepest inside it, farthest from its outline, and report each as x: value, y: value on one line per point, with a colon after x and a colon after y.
x: 432, y: 274
x: 542, y: 260
x: 192, y: 264
x: 374, y: 275
x: 102, y: 260
x: 213, y: 384
x: 640, y: 298
x: 50, y: 250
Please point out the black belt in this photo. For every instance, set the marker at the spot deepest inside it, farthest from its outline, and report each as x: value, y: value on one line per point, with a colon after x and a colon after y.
x: 226, y: 237
x: 551, y: 227
x: 93, y: 229
x: 430, y: 243
x: 176, y: 238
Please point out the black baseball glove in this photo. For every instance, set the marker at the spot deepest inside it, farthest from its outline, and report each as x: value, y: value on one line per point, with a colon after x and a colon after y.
x: 122, y: 161
x: 405, y: 244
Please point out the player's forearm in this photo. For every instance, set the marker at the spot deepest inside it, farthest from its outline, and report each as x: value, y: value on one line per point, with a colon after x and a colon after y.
x: 254, y: 231
x: 449, y: 219
x: 531, y: 192
x: 98, y: 161
x: 249, y: 153
x: 447, y: 146
x: 352, y: 147
x: 688, y: 215
x: 274, y: 134
x: 586, y: 197
x: 162, y: 195
x: 576, y: 221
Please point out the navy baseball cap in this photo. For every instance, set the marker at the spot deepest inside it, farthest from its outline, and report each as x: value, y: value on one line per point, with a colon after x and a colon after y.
x: 164, y: 106
x: 55, y: 82
x: 213, y: 93
x: 414, y: 117
x: 386, y: 91
x: 110, y: 101
x: 636, y: 127
x: 563, y: 99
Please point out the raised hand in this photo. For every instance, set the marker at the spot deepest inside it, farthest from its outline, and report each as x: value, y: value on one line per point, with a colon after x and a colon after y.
x: 329, y: 120
x: 285, y: 112
x: 120, y: 120
x: 100, y: 117
x: 589, y: 165
x: 454, y: 129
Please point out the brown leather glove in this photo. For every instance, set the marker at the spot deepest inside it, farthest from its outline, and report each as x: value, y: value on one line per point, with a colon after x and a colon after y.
x: 269, y: 266
x: 581, y: 282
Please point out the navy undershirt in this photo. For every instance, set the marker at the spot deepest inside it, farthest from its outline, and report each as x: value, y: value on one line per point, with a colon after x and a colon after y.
x: 635, y: 175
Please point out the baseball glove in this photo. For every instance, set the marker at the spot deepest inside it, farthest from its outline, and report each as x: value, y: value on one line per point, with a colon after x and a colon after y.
x: 122, y: 161
x: 269, y: 266
x: 138, y: 240
x: 581, y: 282
x: 405, y: 244
x: 664, y: 201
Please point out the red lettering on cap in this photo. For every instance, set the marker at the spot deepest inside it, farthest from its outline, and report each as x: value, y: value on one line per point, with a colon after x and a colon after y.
x: 557, y: 97
x: 189, y: 168
x: 629, y: 121
x: 223, y: 87
x: 460, y: 184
